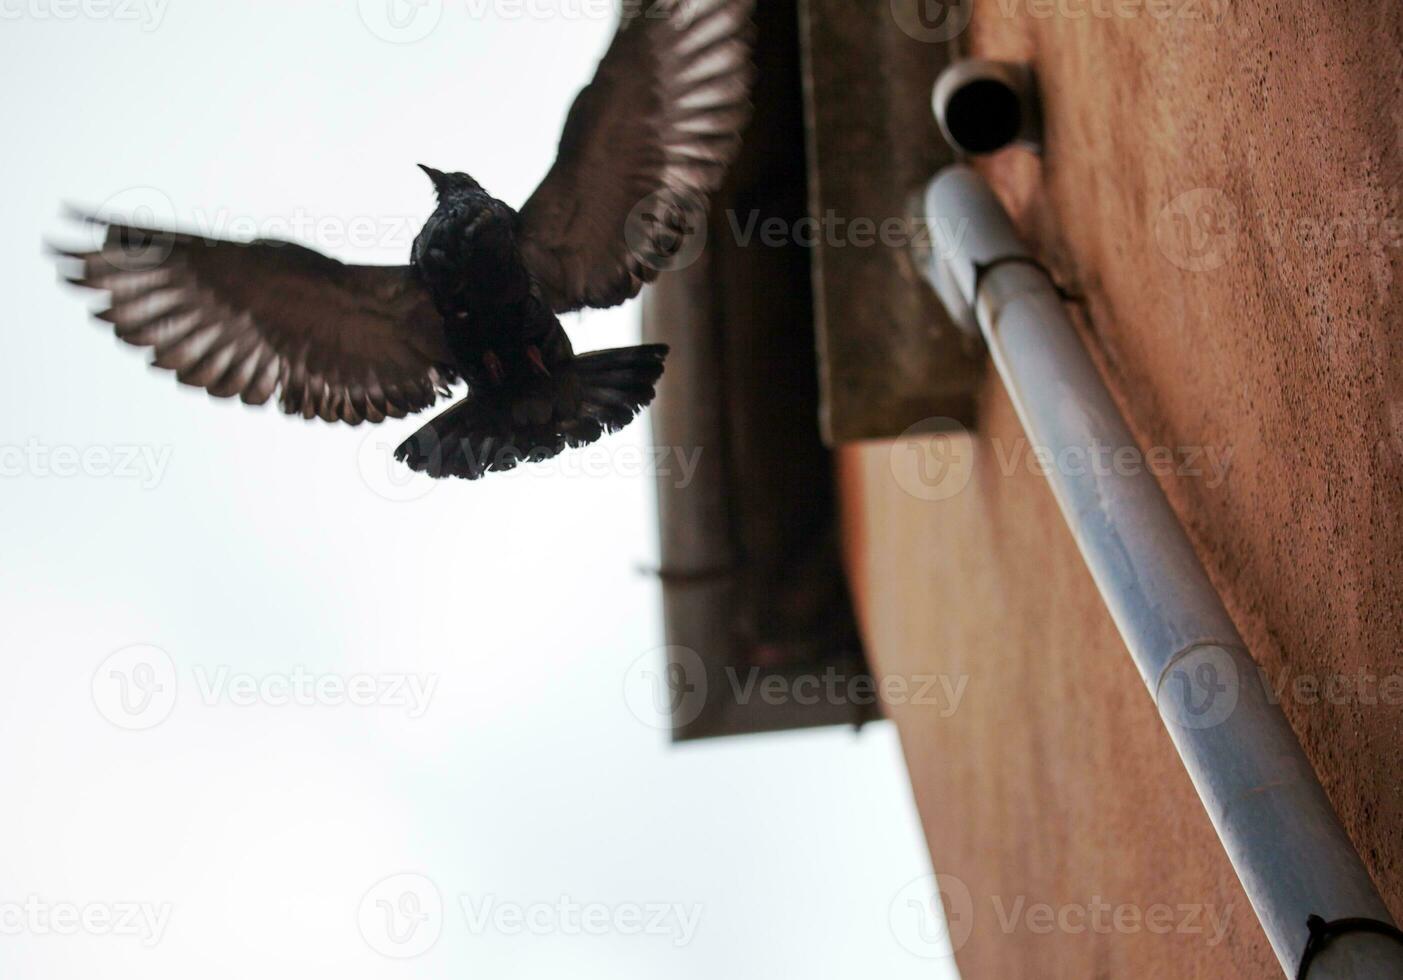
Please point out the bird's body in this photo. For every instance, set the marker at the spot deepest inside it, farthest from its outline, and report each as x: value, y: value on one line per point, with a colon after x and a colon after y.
x: 479, y: 300
x: 467, y: 257
x: 533, y: 395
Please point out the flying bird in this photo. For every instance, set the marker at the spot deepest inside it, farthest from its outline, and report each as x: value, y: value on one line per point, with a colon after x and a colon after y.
x: 644, y: 145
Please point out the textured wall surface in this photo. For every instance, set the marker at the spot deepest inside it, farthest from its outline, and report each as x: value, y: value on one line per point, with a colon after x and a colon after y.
x: 1221, y: 186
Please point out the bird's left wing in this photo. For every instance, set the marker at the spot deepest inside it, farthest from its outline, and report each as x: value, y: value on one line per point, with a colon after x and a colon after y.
x: 645, y: 144
x: 334, y: 341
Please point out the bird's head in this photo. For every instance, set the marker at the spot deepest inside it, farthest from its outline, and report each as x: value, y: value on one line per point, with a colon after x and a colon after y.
x: 448, y: 185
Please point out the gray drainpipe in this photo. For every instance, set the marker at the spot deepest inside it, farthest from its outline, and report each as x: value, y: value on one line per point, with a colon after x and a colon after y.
x: 1306, y: 883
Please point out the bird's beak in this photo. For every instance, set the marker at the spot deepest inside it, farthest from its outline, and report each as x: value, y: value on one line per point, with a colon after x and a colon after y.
x: 437, y: 176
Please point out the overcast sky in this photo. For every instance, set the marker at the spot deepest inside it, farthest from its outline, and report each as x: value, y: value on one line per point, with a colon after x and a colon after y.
x: 267, y: 708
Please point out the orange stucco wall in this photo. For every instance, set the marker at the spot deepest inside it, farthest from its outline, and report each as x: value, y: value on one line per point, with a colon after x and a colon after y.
x: 1224, y: 192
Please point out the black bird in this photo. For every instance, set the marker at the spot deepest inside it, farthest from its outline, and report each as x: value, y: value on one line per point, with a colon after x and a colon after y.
x: 645, y: 143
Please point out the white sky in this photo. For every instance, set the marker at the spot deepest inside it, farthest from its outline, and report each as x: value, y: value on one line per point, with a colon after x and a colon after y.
x: 263, y: 545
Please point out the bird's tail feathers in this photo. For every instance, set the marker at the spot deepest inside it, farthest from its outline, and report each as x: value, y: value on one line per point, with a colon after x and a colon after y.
x: 498, y: 429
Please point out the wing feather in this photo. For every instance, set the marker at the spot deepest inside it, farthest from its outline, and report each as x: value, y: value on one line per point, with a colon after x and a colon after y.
x: 333, y: 341
x: 645, y: 144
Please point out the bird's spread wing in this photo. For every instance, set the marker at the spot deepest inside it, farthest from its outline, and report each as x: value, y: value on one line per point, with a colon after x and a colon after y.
x: 644, y: 145
x: 333, y: 341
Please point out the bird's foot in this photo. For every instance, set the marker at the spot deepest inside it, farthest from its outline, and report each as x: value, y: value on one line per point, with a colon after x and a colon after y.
x: 493, y: 363
x: 533, y: 354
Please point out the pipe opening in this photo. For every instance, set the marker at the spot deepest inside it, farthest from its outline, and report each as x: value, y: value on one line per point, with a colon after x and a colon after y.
x: 984, y: 115
x: 983, y: 106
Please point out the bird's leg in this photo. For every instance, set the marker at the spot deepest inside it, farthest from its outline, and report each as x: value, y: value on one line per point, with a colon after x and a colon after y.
x: 533, y: 354
x: 493, y: 363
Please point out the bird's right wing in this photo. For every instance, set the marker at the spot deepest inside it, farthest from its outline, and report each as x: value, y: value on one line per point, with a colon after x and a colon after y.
x: 645, y: 144
x: 333, y: 341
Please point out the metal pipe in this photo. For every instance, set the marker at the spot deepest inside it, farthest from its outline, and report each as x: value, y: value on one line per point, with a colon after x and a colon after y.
x: 1271, y: 814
